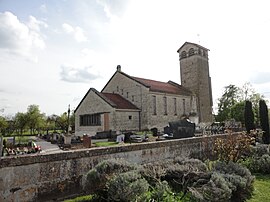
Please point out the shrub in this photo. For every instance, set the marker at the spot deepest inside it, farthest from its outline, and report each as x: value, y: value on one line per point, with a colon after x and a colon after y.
x: 129, y: 186
x: 216, y: 189
x: 264, y: 120
x: 97, y: 177
x: 259, y: 150
x: 192, y: 164
x: 181, y: 176
x: 154, y: 172
x: 234, y: 147
x: 239, y: 178
x: 249, y: 116
x: 259, y: 164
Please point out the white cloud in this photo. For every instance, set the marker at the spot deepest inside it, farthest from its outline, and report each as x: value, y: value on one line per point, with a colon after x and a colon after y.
x: 20, y: 38
x: 76, y: 32
x: 68, y: 28
x: 75, y: 75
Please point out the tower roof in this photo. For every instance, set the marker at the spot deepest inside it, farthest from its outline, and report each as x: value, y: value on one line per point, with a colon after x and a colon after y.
x: 194, y: 44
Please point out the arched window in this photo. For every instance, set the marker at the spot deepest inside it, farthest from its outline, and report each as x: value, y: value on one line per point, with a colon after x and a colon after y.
x: 191, y: 52
x: 204, y: 54
x: 183, y: 54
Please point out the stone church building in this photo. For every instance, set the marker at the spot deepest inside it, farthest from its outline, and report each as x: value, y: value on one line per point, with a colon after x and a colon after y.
x: 131, y: 103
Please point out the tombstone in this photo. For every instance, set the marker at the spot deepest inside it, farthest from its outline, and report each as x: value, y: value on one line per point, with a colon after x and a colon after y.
x: 86, y: 141
x: 127, y: 137
x: 67, y: 139
x: 182, y: 129
x: 154, y: 131
x: 120, y: 138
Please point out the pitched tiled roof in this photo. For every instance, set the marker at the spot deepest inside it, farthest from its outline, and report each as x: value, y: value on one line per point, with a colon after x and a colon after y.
x: 158, y: 86
x: 118, y: 101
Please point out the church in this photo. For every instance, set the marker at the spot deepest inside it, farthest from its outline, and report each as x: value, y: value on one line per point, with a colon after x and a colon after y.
x: 128, y: 103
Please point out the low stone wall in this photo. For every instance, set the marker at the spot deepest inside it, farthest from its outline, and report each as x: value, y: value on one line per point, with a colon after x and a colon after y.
x: 47, y: 177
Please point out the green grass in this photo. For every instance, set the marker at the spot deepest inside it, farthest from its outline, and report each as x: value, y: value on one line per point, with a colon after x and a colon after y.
x: 22, y: 139
x: 261, y: 189
x: 105, y: 144
x: 80, y: 199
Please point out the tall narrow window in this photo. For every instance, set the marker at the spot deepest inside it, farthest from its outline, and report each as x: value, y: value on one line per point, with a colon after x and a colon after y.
x: 127, y: 94
x: 122, y: 91
x: 117, y: 88
x: 165, y: 105
x: 132, y: 98
x: 154, y: 105
x: 174, y: 105
x: 184, y: 106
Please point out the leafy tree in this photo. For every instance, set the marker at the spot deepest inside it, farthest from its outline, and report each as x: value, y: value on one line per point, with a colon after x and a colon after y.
x: 264, y: 120
x: 247, y: 91
x: 255, y: 99
x: 249, y: 117
x: 35, y: 118
x: 3, y: 125
x: 237, y: 112
x: 50, y: 123
x: 62, y: 121
x: 230, y: 105
x: 229, y: 98
x: 21, y: 120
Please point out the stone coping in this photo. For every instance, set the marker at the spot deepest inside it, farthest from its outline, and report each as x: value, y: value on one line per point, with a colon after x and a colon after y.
x: 97, y: 151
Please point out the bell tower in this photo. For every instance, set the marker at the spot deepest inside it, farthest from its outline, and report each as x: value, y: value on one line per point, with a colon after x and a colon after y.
x: 194, y: 74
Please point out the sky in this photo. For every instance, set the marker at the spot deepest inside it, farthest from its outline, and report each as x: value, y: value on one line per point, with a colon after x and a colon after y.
x: 52, y: 52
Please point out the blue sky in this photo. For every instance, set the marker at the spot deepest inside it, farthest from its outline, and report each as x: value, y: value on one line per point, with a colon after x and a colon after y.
x: 52, y: 52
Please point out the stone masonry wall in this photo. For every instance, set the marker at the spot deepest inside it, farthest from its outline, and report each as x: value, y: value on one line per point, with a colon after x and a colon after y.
x: 53, y: 176
x: 91, y: 104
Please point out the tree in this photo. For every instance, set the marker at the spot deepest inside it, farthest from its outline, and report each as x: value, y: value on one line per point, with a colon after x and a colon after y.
x: 50, y: 123
x: 3, y: 125
x: 247, y: 91
x: 21, y: 120
x: 249, y: 116
x: 62, y: 121
x: 237, y: 112
x: 264, y: 120
x: 230, y: 105
x: 255, y: 99
x: 35, y: 118
x: 229, y: 98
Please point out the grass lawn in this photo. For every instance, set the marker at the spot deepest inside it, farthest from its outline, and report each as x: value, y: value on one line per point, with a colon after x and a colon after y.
x: 80, y: 199
x: 261, y: 189
x: 21, y: 139
x: 105, y: 144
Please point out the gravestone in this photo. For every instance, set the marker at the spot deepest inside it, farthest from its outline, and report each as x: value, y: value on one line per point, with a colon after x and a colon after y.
x: 181, y: 129
x: 86, y: 141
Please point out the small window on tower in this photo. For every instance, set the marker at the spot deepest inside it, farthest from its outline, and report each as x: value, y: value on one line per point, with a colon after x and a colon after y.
x: 191, y: 52
x: 183, y: 54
